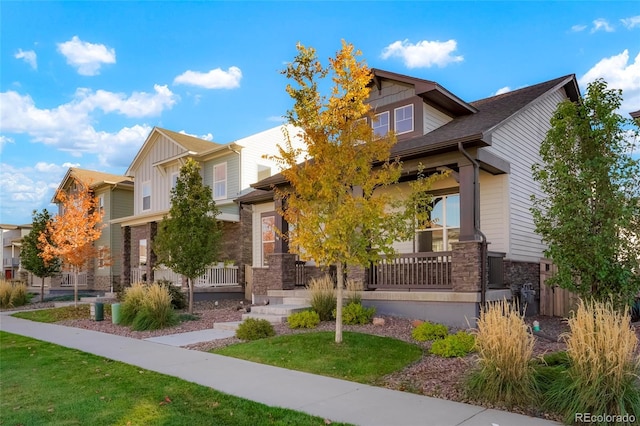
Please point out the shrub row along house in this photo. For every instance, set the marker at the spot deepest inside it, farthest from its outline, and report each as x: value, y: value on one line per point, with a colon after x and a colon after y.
x: 488, y: 146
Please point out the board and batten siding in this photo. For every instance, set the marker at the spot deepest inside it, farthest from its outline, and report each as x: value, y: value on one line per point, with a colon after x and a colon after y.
x: 518, y: 141
x: 432, y: 118
x: 121, y: 206
x: 256, y: 230
x: 162, y: 149
x: 389, y: 93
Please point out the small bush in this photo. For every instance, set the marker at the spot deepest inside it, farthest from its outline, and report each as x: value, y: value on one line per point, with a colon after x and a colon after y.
x: 254, y: 329
x: 601, y: 377
x: 156, y: 311
x: 178, y: 298
x: 323, y: 297
x: 132, y: 303
x: 454, y: 345
x: 306, y: 319
x: 12, y: 296
x: 429, y: 331
x: 505, y: 373
x: 354, y: 314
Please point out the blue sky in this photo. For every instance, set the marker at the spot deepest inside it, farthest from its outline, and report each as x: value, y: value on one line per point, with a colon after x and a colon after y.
x: 83, y: 83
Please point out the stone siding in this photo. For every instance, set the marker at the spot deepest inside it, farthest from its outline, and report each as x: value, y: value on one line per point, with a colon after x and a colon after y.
x: 280, y: 275
x: 466, y: 266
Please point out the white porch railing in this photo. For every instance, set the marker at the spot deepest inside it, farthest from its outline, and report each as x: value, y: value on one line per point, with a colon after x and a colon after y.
x: 66, y: 280
x: 218, y: 276
x: 163, y: 273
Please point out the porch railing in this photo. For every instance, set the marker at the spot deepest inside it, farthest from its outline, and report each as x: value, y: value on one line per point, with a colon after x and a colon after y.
x: 218, y: 276
x: 138, y: 275
x: 167, y: 274
x: 301, y: 275
x: 430, y: 270
x: 66, y: 279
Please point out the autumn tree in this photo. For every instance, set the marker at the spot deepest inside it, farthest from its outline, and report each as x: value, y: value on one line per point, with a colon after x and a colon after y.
x: 71, y: 233
x: 589, y: 217
x: 188, y: 240
x: 31, y: 253
x: 336, y: 218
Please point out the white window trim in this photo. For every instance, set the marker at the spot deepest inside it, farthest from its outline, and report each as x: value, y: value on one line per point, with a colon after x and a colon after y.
x: 146, y: 184
x: 101, y: 203
x: 375, y: 120
x: 101, y: 257
x: 226, y: 176
x: 395, y: 119
x: 173, y: 179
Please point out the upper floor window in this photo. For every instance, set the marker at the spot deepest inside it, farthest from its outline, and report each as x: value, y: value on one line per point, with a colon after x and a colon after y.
x: 380, y: 124
x: 403, y: 119
x: 220, y: 181
x: 174, y: 179
x: 146, y: 195
x: 101, y: 203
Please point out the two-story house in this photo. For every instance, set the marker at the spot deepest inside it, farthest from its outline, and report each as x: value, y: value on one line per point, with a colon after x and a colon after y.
x: 482, y: 240
x: 11, y: 246
x: 228, y: 169
x: 114, y: 195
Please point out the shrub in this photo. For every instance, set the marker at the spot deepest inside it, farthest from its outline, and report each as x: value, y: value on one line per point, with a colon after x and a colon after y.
x: 132, y: 303
x: 602, y: 369
x: 323, y: 297
x: 505, y: 373
x: 254, y: 329
x: 429, y: 331
x: 305, y: 319
x: 156, y: 311
x: 454, y: 345
x: 354, y: 314
x: 19, y: 295
x: 178, y: 298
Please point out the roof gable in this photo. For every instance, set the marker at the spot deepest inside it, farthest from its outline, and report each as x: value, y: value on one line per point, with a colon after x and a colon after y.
x: 93, y: 178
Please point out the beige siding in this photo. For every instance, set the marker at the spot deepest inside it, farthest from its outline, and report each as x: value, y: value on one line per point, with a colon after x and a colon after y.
x: 256, y: 232
x: 432, y: 118
x: 121, y: 206
x: 162, y: 149
x: 494, y: 210
x: 518, y: 141
x: 233, y: 174
x: 391, y: 92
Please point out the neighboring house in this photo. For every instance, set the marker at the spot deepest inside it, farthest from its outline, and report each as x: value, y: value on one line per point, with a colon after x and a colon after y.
x: 228, y: 169
x: 11, y: 246
x: 636, y: 116
x: 115, y: 199
x: 490, y: 146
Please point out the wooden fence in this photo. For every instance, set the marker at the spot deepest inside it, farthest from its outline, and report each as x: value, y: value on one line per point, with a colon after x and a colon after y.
x: 554, y: 301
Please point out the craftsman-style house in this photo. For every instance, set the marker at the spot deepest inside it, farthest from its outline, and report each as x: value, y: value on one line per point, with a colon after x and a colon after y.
x: 482, y: 243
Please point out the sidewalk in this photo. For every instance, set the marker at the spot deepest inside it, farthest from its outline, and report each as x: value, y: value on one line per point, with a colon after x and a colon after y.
x: 334, y: 399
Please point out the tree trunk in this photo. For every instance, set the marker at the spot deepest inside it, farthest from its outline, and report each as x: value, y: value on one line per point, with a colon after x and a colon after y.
x: 75, y: 287
x: 339, y: 285
x: 190, y: 284
x: 42, y: 289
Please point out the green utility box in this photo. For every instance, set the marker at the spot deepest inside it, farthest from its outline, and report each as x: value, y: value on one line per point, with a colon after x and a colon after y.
x: 96, y: 311
x: 115, y: 313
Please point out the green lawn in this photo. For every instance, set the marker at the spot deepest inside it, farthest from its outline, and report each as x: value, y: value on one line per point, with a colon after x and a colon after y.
x: 360, y: 357
x: 42, y: 384
x: 59, y: 314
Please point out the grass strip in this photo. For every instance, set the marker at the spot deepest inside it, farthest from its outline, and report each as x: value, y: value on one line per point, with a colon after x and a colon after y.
x: 43, y: 383
x: 361, y: 358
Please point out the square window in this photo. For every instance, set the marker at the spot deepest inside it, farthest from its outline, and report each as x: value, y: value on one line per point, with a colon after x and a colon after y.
x: 404, y: 119
x: 381, y: 124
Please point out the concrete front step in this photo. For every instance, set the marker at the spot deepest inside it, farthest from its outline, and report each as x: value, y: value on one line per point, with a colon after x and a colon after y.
x: 229, y: 326
x: 282, y: 309
x: 273, y: 319
x: 295, y: 301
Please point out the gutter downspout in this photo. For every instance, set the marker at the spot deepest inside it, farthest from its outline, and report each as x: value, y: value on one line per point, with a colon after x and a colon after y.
x: 476, y: 224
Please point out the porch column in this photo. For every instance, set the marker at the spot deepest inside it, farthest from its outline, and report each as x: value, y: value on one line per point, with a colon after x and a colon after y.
x: 151, y: 261
x: 126, y: 257
x: 466, y: 266
x: 281, y: 244
x: 469, y: 203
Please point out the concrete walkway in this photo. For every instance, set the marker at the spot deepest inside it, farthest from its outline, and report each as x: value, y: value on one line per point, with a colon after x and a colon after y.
x: 334, y: 399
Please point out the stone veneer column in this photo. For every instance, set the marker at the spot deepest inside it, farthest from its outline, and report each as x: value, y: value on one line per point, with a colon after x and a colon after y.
x: 466, y: 265
x: 151, y: 261
x: 280, y: 275
x: 357, y: 273
x: 126, y: 257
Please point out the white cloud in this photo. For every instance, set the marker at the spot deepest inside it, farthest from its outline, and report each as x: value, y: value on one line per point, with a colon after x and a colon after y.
x: 69, y: 127
x: 502, y: 90
x: 214, y: 79
x: 579, y: 27
x: 3, y: 141
x: 631, y: 22
x: 423, y: 54
x: 29, y: 57
x: 86, y: 57
x: 619, y: 73
x: 601, y: 24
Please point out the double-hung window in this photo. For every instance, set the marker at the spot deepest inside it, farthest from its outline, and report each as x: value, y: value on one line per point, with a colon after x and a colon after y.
x: 220, y: 181
x: 380, y: 124
x: 101, y: 203
x: 444, y: 227
x: 403, y: 119
x: 268, y: 236
x: 146, y: 195
x: 174, y: 179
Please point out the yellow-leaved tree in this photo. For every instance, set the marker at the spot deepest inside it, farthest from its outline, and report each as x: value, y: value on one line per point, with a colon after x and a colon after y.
x: 73, y: 231
x: 333, y: 200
